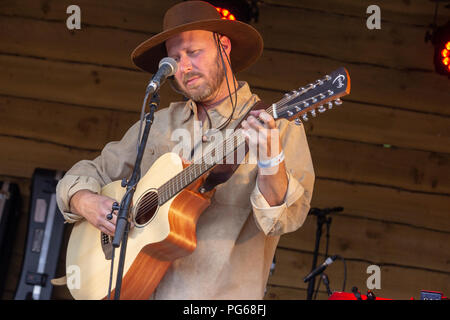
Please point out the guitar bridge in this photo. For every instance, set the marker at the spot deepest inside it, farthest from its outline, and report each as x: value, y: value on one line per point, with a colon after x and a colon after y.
x: 106, y: 245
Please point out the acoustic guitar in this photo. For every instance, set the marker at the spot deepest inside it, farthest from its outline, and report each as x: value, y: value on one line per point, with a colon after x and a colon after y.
x: 166, y: 207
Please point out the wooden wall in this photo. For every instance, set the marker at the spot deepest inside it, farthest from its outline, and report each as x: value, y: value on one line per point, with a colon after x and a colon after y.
x: 384, y: 155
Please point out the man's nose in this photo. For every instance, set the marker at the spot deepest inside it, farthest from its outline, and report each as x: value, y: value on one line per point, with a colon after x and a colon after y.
x: 185, y: 65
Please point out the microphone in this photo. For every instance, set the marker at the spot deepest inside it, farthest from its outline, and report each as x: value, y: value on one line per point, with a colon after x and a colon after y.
x: 320, y: 268
x: 167, y: 67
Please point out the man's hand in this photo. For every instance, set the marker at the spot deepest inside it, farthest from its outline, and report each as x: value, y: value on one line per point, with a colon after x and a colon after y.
x: 94, y: 208
x: 264, y: 138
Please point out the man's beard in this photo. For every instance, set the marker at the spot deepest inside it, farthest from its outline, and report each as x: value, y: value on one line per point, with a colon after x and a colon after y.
x: 212, y: 85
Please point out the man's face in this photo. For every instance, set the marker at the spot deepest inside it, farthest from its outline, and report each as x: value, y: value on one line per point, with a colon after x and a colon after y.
x: 200, y: 75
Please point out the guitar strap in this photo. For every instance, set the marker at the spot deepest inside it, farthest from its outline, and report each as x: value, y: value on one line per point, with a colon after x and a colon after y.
x: 222, y: 172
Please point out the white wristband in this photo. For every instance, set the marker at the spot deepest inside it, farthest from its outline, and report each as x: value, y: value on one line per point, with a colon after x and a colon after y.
x: 271, y: 162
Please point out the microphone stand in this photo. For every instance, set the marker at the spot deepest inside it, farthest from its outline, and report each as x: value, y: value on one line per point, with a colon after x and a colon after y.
x: 321, y: 215
x: 123, y: 221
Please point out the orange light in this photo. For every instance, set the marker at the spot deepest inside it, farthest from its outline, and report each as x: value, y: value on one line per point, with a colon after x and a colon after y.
x: 445, y: 53
x: 446, y: 61
x: 226, y: 14
x: 447, y: 45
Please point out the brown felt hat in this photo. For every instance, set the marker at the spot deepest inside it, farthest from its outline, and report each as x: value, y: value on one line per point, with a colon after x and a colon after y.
x: 246, y: 42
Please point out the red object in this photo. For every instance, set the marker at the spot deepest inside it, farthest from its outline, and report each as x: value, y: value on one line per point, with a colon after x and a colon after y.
x: 349, y: 296
x: 226, y: 14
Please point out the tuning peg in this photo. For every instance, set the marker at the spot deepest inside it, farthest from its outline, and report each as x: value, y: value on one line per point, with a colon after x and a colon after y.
x: 297, y: 109
x: 298, y: 122
x: 338, y: 102
x: 321, y: 96
x: 330, y: 92
x: 321, y: 109
x: 305, y: 117
x: 305, y: 104
x: 313, y: 112
x: 319, y: 82
x: 313, y: 100
x: 330, y: 105
x: 327, y: 77
x: 290, y: 113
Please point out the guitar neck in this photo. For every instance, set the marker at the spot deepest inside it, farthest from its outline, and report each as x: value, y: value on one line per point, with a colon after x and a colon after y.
x: 294, y: 104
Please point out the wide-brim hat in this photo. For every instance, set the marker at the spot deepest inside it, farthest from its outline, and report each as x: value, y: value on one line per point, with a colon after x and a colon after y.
x: 246, y: 42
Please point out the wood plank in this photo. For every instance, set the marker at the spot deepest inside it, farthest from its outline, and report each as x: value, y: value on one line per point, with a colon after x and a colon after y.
x: 402, y: 89
x: 330, y: 35
x: 79, y: 84
x: 52, y: 39
x: 396, y: 282
x: 139, y: 15
x: 59, y: 123
x: 364, y: 163
x: 22, y: 156
x: 384, y: 204
x: 378, y: 241
x: 416, y: 13
x: 381, y: 125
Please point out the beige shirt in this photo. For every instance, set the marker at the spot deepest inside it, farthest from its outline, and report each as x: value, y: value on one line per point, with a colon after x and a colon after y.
x: 238, y: 233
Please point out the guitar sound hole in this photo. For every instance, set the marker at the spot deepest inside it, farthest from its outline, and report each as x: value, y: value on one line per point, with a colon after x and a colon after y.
x: 146, y: 209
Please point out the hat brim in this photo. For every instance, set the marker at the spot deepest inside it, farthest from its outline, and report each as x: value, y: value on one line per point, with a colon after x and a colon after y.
x: 246, y: 43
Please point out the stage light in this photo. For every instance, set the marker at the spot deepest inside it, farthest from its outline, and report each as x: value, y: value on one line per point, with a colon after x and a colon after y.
x: 441, y: 42
x: 242, y: 10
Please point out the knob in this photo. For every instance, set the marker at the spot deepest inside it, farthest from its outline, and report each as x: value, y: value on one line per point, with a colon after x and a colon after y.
x: 338, y: 102
x: 305, y: 117
x: 313, y: 112
x: 321, y: 109
x: 115, y: 206
x: 298, y: 122
x: 330, y: 105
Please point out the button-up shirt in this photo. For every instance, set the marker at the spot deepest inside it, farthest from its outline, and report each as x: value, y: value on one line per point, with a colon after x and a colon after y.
x: 238, y: 233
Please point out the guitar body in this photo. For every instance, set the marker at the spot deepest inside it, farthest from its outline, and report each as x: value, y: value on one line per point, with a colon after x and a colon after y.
x: 170, y: 234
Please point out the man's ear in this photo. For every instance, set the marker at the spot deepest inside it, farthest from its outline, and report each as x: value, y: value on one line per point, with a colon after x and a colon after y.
x: 226, y: 44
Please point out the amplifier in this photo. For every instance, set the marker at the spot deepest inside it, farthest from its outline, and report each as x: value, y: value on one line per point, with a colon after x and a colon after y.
x: 9, y: 217
x: 44, y: 238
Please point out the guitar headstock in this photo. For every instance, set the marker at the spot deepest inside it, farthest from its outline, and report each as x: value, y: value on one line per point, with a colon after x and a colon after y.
x: 314, y: 98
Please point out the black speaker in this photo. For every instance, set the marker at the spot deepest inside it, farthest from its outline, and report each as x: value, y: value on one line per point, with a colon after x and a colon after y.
x: 44, y: 238
x: 10, y: 204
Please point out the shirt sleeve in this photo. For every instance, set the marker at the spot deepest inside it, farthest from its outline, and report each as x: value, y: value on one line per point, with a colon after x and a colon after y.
x: 291, y: 214
x: 115, y: 161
